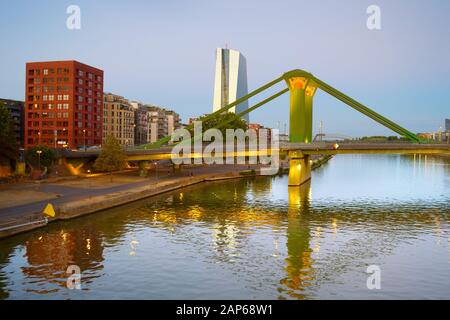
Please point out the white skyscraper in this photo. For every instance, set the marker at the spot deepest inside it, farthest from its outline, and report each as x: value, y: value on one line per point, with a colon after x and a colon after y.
x: 231, y: 80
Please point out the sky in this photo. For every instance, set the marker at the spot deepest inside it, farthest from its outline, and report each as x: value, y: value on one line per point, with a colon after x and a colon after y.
x: 163, y: 52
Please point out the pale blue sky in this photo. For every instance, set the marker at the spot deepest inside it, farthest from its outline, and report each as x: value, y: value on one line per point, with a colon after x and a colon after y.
x: 162, y: 52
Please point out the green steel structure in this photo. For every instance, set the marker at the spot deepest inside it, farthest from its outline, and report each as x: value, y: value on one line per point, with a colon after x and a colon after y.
x: 302, y: 86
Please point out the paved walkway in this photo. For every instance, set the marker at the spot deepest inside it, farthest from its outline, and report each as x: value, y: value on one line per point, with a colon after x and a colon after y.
x: 62, y: 192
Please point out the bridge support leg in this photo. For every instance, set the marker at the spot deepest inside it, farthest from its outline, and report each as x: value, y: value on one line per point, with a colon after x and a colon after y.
x: 301, y: 113
x: 143, y: 171
x: 299, y: 170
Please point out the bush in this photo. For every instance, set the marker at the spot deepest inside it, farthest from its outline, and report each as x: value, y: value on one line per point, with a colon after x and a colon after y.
x: 112, y: 157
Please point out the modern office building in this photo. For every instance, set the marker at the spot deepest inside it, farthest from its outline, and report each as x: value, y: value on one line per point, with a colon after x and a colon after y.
x: 447, y: 125
x: 64, y: 104
x: 118, y: 119
x: 16, y: 108
x: 230, y: 80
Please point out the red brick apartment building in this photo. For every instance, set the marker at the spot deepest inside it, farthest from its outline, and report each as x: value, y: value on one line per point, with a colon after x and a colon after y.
x: 63, y: 104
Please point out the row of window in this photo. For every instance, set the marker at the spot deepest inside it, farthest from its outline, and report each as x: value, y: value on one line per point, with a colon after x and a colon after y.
x: 51, y: 97
x: 37, y: 72
x: 89, y: 75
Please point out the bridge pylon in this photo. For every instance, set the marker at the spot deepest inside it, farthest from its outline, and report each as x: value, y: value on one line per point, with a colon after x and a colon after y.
x: 299, y: 168
x: 302, y: 89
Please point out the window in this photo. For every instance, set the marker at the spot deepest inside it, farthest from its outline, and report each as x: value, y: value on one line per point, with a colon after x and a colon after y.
x: 45, y: 71
x: 80, y: 82
x: 80, y: 99
x: 66, y: 97
x: 59, y: 106
x: 66, y: 106
x: 65, y: 115
x: 44, y: 97
x: 59, y: 96
x: 80, y: 73
x: 51, y: 97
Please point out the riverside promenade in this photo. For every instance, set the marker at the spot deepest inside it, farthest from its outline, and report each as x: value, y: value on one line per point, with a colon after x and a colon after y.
x: 22, y: 204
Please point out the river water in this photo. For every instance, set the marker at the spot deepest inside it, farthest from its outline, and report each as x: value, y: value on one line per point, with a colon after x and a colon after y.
x: 255, y: 238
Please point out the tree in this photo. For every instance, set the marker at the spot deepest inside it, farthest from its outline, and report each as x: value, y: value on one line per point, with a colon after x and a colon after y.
x: 45, y: 159
x: 112, y: 157
x: 231, y: 119
x: 10, y: 148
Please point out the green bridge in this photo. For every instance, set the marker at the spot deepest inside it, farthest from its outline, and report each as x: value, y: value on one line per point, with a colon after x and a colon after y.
x: 302, y: 87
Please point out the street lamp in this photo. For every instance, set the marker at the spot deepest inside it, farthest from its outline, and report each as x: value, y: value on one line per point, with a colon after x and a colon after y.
x: 39, y: 158
x: 84, y: 139
x: 56, y: 136
x: 39, y: 135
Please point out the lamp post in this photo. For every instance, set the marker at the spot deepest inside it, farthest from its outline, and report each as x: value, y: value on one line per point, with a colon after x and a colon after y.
x: 39, y: 158
x: 56, y: 136
x: 39, y: 135
x: 84, y: 139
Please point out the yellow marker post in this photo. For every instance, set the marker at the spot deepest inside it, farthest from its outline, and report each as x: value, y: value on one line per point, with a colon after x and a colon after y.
x: 49, y: 210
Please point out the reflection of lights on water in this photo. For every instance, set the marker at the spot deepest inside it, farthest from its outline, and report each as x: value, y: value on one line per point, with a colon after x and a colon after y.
x: 40, y: 238
x: 317, y: 234
x: 133, y: 245
x: 334, y: 226
x: 88, y: 245
x: 181, y: 196
x: 275, y: 245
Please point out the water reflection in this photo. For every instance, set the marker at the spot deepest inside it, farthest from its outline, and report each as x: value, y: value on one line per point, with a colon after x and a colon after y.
x: 253, y: 238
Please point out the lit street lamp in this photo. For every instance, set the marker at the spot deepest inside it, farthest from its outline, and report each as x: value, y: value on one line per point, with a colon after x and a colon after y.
x: 39, y: 135
x: 84, y: 139
x: 39, y: 158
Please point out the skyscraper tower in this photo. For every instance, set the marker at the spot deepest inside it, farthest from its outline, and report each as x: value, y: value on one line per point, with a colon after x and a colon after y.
x: 230, y: 81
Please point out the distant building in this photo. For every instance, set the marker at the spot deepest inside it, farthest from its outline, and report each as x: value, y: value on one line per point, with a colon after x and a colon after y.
x: 257, y: 127
x: 447, y: 125
x: 16, y: 108
x: 162, y: 122
x: 158, y: 124
x: 230, y: 80
x: 142, y: 122
x: 64, y: 104
x: 118, y: 119
x: 173, y: 121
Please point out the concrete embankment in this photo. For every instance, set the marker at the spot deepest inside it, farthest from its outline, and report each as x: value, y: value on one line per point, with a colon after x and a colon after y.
x: 89, y: 205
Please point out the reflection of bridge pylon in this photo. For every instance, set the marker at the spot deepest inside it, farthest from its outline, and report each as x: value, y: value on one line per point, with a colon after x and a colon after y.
x: 299, y: 262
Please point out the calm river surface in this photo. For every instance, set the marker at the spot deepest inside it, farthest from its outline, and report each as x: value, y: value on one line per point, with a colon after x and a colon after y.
x: 255, y: 238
